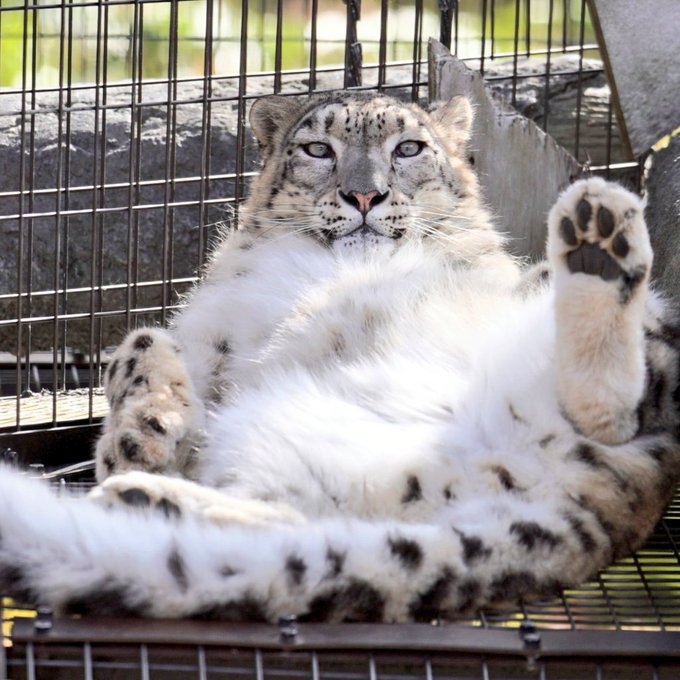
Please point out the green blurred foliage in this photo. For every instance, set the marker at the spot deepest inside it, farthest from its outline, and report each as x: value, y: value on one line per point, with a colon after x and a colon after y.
x: 11, y: 44
x: 82, y: 57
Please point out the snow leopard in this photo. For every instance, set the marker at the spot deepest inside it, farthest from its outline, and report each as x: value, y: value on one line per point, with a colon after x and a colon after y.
x: 367, y: 410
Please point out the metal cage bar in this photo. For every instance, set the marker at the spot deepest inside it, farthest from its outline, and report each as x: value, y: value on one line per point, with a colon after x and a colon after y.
x: 83, y: 204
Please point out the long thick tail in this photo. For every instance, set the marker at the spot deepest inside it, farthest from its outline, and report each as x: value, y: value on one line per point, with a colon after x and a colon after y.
x: 81, y: 558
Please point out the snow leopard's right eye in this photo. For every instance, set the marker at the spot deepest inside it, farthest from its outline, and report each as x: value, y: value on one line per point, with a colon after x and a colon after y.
x: 318, y: 150
x: 409, y: 148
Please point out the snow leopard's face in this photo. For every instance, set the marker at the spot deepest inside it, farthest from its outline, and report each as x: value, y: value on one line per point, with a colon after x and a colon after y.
x: 358, y: 172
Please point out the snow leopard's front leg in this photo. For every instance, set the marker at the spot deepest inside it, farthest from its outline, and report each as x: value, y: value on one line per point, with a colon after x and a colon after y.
x: 599, y: 250
x: 155, y: 415
x: 177, y: 498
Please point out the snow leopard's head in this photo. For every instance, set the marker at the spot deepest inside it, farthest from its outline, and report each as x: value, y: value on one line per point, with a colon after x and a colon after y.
x: 355, y: 170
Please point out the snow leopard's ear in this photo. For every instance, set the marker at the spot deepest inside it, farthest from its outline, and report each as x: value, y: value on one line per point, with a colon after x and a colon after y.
x: 453, y: 119
x: 270, y: 114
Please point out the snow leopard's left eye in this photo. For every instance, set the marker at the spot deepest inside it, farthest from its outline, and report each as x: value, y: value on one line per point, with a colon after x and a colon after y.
x: 409, y: 148
x: 318, y: 150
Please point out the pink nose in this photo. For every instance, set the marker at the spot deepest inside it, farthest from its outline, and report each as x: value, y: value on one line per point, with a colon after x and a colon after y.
x: 364, y: 200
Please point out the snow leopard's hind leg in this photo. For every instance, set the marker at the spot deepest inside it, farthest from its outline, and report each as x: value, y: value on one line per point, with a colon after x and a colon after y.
x: 599, y: 249
x: 155, y: 415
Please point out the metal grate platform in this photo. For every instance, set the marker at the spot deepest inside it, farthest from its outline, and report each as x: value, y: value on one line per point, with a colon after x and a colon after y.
x: 119, y: 649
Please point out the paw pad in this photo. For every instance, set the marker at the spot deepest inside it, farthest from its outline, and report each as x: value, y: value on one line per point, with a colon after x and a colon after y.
x: 620, y: 245
x: 605, y: 222
x: 597, y: 229
x: 584, y: 212
x: 589, y: 258
x: 568, y: 232
x: 590, y: 254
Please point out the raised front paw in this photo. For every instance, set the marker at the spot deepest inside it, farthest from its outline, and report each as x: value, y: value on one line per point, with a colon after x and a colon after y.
x: 597, y: 228
x: 599, y: 250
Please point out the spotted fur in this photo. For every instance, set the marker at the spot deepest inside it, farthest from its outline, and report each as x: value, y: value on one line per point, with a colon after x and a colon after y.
x: 368, y: 411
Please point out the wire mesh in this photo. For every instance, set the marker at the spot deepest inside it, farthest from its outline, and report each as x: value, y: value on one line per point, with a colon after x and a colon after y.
x: 126, y: 121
